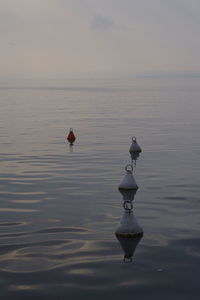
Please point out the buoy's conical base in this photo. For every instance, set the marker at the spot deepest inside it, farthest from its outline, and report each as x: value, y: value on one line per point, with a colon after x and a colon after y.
x: 128, y: 182
x: 129, y: 226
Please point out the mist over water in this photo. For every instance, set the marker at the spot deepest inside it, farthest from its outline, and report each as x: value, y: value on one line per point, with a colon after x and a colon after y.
x: 60, y: 206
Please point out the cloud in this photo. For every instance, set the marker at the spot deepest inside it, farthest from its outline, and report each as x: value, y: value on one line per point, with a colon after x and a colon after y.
x: 102, y: 23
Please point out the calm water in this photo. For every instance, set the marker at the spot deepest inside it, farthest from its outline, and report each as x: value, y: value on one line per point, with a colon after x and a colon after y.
x: 60, y: 207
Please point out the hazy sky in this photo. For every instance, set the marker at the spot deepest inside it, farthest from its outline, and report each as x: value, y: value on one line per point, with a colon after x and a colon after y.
x: 53, y: 38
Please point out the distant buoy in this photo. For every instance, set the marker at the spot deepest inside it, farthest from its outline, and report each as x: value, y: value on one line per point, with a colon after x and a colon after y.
x: 134, y: 146
x: 128, y: 182
x: 71, y: 137
x: 129, y: 226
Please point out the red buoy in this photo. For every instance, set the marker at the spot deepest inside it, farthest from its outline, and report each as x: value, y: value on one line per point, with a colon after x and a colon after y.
x: 71, y: 137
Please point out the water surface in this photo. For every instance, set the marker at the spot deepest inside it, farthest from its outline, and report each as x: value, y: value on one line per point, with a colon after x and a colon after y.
x: 60, y: 206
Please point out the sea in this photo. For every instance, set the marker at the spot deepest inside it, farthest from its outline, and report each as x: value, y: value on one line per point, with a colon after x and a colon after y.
x: 60, y: 205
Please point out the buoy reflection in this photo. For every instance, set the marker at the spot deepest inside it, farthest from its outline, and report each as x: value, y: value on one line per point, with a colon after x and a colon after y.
x: 128, y: 194
x: 71, y: 148
x: 134, y: 158
x: 129, y: 246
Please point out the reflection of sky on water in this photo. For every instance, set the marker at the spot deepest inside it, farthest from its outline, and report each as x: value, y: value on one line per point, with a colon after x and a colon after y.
x: 94, y: 267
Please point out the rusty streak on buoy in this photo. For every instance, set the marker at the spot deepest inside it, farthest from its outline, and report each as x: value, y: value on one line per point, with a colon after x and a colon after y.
x: 71, y: 137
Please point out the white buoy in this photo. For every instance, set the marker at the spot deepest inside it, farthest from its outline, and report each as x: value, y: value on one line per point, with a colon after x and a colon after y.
x: 134, y: 146
x: 128, y: 182
x: 129, y: 246
x: 128, y: 194
x: 129, y: 226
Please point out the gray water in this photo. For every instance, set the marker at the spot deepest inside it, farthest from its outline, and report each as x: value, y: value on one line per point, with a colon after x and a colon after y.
x: 60, y: 206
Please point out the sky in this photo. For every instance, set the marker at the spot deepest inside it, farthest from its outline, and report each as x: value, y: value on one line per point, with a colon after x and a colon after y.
x: 59, y: 38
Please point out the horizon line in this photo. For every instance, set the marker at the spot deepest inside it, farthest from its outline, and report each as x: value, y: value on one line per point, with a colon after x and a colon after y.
x: 107, y: 75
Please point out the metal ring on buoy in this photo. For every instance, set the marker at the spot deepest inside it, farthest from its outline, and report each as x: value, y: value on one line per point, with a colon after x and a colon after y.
x: 134, y: 139
x: 127, y: 259
x: 126, y: 205
x: 127, y: 166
